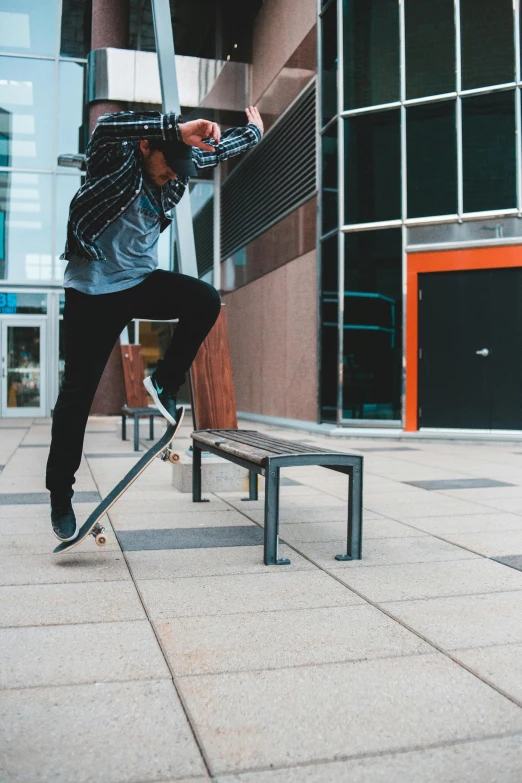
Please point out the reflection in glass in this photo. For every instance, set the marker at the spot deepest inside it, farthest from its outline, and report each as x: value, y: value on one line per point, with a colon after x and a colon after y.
x: 371, y: 52
x: 372, y: 153
x: 26, y: 117
x: 329, y: 63
x: 26, y: 203
x: 66, y: 187
x: 329, y: 333
x: 372, y: 354
x: 76, y: 28
x: 28, y: 26
x: 488, y: 49
x: 17, y: 303
x: 70, y: 108
x: 330, y: 192
x: 23, y: 366
x: 432, y: 159
x: 488, y: 152
x: 430, y: 47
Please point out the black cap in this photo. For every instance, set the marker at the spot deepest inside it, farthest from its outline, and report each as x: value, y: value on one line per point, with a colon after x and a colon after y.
x: 178, y: 156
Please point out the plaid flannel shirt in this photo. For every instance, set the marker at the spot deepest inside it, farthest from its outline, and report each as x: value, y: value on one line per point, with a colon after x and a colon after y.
x: 114, y: 173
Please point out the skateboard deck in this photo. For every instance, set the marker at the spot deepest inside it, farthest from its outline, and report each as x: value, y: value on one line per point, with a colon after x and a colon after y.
x: 91, y: 524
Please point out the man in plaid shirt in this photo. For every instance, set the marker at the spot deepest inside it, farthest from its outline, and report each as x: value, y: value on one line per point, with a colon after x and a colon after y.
x: 138, y: 167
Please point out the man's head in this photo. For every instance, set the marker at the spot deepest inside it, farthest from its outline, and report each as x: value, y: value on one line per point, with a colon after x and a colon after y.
x: 164, y: 160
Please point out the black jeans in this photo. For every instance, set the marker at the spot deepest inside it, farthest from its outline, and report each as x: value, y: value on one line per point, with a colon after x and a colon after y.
x: 92, y: 324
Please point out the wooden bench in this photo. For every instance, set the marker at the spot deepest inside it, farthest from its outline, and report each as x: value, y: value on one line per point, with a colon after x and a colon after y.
x: 136, y: 394
x: 214, y: 411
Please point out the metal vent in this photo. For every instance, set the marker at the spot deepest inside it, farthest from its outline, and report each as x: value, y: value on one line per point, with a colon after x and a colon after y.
x: 274, y: 179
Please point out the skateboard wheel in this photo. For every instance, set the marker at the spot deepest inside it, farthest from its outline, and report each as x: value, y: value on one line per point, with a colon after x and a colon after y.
x: 173, y: 457
x: 101, y: 539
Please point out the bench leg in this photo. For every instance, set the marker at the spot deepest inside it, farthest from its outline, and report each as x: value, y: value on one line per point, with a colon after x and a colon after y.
x: 252, y: 486
x: 196, y: 475
x: 124, y: 427
x: 151, y: 427
x: 136, y: 432
x: 355, y: 515
x: 272, y: 518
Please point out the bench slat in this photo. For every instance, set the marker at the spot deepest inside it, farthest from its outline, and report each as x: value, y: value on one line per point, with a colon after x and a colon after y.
x: 228, y: 446
x: 274, y: 445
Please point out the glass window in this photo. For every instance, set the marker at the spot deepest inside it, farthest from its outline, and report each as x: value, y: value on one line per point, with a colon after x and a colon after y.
x: 430, y: 47
x: 488, y: 55
x: 66, y: 187
x: 76, y: 28
x: 488, y: 152
x: 330, y: 188
x: 329, y: 329
x: 70, y: 108
x: 372, y: 353
x: 28, y: 26
x: 329, y: 70
x: 371, y: 52
x: 432, y: 159
x: 16, y: 303
x: 372, y: 154
x: 26, y: 112
x: 26, y: 203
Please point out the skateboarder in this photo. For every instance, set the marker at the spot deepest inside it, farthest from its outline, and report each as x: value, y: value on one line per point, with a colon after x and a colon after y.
x: 138, y: 167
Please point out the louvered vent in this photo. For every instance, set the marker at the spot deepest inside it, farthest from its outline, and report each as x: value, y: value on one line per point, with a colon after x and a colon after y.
x: 273, y: 180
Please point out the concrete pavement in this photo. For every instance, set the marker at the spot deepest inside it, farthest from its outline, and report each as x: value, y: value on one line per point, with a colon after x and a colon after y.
x: 176, y: 655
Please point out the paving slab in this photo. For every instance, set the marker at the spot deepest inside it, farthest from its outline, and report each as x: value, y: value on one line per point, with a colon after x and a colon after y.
x: 30, y: 498
x: 386, y: 551
x: 192, y: 538
x: 291, y: 516
x: 166, y: 564
x: 236, y: 593
x: 173, y: 519
x: 42, y: 543
x: 310, y: 713
x: 337, y: 531
x: 319, y: 500
x: 499, y: 664
x: 512, y: 504
x: 141, y: 731
x: 464, y: 621
x: 92, y: 602
x: 409, y: 581
x: 271, y: 640
x: 30, y: 518
x: 176, y: 502
x: 483, y: 761
x: 513, y: 561
x: 41, y: 569
x: 495, y: 544
x: 434, y: 506
x: 459, y: 483
x: 469, y: 523
x: 73, y: 654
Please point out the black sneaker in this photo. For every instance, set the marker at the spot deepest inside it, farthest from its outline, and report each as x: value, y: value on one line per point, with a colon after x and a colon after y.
x: 164, y: 399
x: 63, y: 519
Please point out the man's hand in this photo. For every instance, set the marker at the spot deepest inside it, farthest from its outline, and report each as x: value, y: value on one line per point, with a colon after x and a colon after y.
x: 253, y: 116
x: 194, y: 132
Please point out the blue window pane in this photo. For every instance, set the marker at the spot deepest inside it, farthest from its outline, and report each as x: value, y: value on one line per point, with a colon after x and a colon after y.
x: 76, y: 28
x: 71, y: 108
x: 430, y: 47
x: 28, y: 26
x: 488, y: 152
x: 26, y: 112
x: 330, y: 194
x: 371, y: 52
x: 26, y: 201
x: 372, y: 154
x: 372, y: 351
x: 66, y: 188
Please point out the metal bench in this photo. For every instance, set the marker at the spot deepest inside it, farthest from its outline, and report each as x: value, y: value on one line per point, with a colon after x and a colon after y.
x: 265, y: 456
x: 136, y: 412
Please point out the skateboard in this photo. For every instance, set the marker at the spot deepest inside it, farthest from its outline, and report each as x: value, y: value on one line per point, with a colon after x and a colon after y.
x: 92, y: 525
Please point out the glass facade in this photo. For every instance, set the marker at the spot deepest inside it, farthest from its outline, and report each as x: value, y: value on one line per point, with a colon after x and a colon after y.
x: 41, y: 117
x: 424, y: 128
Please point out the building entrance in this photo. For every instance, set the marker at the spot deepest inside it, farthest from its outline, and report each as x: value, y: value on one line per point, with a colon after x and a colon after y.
x: 22, y: 347
x: 470, y: 349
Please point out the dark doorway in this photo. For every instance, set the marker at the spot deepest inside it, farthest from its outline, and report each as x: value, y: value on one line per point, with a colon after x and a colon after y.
x: 470, y: 349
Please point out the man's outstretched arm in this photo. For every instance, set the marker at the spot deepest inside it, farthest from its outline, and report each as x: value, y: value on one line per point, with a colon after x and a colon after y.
x: 233, y: 141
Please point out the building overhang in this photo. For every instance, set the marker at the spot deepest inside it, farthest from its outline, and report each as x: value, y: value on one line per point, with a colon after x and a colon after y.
x: 133, y: 76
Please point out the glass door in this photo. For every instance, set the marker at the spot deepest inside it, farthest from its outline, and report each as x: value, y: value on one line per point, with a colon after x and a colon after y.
x: 23, y: 372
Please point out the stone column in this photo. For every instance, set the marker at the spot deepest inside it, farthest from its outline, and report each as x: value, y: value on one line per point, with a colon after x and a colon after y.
x: 110, y: 28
